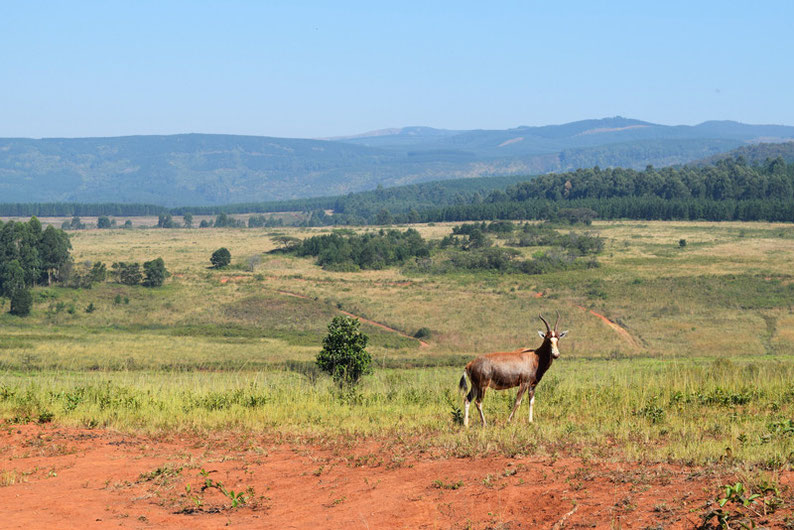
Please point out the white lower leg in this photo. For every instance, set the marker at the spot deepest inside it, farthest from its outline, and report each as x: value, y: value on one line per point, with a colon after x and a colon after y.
x: 531, y: 406
x: 466, y: 413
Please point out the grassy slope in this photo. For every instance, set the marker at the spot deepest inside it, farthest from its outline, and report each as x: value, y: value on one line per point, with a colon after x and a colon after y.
x: 219, y: 349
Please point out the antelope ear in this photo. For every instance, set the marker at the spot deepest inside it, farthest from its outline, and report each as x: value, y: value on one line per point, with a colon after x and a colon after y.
x: 542, y: 335
x: 563, y: 333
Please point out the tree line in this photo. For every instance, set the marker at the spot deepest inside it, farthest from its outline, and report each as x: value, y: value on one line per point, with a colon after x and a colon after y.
x: 730, y: 189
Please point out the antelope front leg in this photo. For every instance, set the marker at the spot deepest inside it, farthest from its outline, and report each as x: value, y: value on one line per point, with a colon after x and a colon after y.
x: 531, y: 403
x: 479, y: 409
x: 520, y: 395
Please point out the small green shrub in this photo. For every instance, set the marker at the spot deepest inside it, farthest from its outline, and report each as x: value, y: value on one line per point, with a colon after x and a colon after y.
x: 221, y: 258
x: 21, y: 302
x: 155, y: 273
x: 344, y: 356
x: 422, y: 333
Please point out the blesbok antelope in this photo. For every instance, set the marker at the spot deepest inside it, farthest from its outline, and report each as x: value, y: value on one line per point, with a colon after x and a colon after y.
x: 523, y: 368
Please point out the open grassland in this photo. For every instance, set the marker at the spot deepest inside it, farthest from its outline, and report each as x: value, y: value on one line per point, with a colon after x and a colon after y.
x: 704, y: 373
x: 697, y: 411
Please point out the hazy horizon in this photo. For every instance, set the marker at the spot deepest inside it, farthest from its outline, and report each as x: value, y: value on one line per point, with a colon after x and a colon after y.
x: 382, y: 129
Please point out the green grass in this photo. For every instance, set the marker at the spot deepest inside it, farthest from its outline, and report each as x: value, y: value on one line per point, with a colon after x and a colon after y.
x: 707, y: 378
x: 645, y: 409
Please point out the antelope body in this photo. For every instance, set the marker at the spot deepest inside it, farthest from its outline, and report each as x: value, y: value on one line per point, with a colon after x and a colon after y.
x: 523, y: 368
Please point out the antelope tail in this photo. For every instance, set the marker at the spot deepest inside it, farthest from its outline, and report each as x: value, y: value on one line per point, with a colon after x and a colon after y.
x: 462, y: 386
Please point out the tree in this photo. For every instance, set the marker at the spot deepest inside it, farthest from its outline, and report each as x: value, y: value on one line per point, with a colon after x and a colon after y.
x: 165, y: 221
x: 221, y: 258
x: 223, y: 220
x: 54, y: 252
x: 103, y: 222
x: 344, y: 356
x: 286, y: 242
x: 384, y: 217
x: 155, y: 273
x: 21, y: 302
x: 74, y: 224
x: 12, y: 278
x: 188, y: 218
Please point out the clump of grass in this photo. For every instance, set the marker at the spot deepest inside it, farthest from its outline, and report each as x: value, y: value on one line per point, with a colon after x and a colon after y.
x: 440, y: 484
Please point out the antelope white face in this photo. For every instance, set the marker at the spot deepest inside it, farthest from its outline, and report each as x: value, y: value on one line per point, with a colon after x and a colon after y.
x: 554, y: 339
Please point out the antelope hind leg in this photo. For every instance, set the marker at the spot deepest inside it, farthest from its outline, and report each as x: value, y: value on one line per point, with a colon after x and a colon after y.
x: 520, y: 395
x: 479, y: 409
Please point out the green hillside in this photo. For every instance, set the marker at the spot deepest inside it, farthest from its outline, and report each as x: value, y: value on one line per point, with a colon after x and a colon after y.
x: 754, y: 154
x: 202, y: 170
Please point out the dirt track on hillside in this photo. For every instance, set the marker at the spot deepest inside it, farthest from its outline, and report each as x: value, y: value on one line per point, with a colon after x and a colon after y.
x: 623, y: 332
x: 422, y: 344
x: 53, y: 477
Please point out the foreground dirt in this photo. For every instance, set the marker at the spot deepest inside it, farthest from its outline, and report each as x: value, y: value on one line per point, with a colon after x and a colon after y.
x: 53, y: 477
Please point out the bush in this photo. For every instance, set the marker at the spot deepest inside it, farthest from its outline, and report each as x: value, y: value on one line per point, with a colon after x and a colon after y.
x: 682, y: 243
x: 221, y: 258
x: 21, y: 302
x: 127, y: 273
x: 155, y: 273
x: 344, y: 356
x: 422, y: 333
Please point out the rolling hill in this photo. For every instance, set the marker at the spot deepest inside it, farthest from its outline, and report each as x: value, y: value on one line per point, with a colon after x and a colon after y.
x: 754, y: 154
x: 207, y: 169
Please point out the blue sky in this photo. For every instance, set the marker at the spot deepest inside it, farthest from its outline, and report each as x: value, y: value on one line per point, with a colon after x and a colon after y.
x: 316, y: 69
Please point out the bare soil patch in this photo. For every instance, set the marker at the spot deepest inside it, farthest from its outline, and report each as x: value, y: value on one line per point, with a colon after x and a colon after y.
x: 621, y: 331
x: 55, y: 477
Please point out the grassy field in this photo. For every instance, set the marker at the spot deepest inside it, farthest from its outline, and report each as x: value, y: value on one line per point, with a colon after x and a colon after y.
x: 705, y: 373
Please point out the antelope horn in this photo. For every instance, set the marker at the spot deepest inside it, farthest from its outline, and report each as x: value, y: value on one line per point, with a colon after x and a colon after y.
x: 557, y: 321
x: 544, y: 321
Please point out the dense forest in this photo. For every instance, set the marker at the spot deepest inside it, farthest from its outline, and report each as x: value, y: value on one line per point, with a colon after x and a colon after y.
x: 730, y: 179
x: 397, y: 199
x: 730, y: 189
x: 754, y: 154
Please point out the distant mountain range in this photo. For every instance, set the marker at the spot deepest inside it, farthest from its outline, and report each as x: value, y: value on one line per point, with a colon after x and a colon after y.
x: 207, y: 169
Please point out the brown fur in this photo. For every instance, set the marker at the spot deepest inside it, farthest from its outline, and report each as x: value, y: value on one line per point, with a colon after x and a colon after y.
x: 523, y: 368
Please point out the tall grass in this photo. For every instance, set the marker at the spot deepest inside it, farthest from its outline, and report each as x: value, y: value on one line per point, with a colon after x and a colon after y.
x: 692, y: 411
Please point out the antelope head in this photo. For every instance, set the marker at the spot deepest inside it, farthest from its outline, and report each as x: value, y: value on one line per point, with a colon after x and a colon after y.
x: 552, y: 335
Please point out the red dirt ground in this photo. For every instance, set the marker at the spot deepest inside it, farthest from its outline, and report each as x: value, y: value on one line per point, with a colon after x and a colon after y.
x: 55, y: 477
